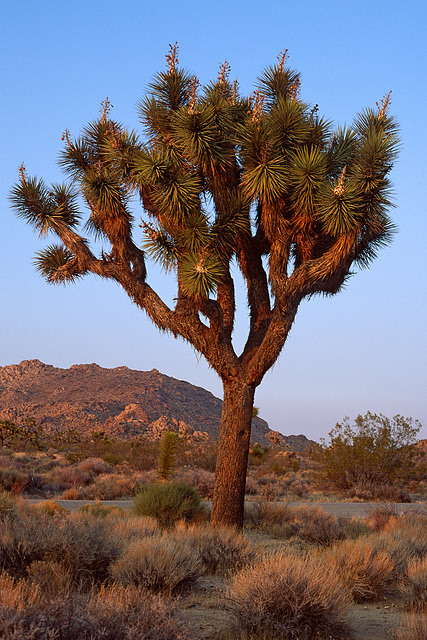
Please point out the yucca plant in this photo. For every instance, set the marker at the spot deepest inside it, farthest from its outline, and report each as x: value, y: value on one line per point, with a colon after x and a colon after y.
x: 167, y: 457
x: 262, y: 183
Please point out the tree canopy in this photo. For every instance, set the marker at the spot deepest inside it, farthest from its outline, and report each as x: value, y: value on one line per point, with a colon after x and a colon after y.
x: 261, y: 183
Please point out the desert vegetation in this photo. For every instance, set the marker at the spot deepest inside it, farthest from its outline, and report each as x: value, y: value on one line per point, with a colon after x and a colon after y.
x: 351, y: 466
x: 292, y: 573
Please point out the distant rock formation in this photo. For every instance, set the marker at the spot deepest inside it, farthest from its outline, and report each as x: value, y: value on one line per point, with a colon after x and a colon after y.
x: 122, y: 402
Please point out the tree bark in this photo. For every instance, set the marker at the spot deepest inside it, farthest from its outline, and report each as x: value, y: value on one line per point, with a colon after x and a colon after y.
x: 232, y: 457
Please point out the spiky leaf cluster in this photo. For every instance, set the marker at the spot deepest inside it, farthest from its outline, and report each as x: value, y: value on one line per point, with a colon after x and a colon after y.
x: 223, y: 177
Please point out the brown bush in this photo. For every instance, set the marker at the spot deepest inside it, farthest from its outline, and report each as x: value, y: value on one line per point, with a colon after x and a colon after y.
x: 49, y: 577
x: 113, y: 613
x: 311, y: 524
x: 368, y: 571
x: 414, y: 586
x: 159, y: 564
x: 83, y: 545
x: 71, y: 494
x: 287, y: 596
x: 132, y: 528
x: 94, y: 466
x: 380, y: 516
x: 374, y: 491
x: 220, y: 550
x: 201, y: 479
x: 414, y: 627
x: 314, y: 525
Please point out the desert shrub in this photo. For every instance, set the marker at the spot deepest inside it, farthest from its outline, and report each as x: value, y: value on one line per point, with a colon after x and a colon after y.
x: 201, y: 479
x: 414, y: 587
x: 414, y: 627
x: 99, y: 510
x: 85, y: 546
x: 169, y: 502
x: 373, y: 451
x: 380, y: 516
x: 49, y: 576
x: 252, y: 486
x: 110, y: 613
x: 51, y: 507
x: 7, y: 505
x: 132, y: 528
x: 286, y: 596
x: 71, y: 494
x: 307, y: 523
x: 112, y: 458
x: 367, y: 570
x: 25, y: 539
x: 375, y: 491
x: 13, y: 481
x: 273, y: 518
x: 297, y: 487
x: 159, y: 564
x: 220, y: 550
x: 110, y: 487
x: 405, y: 539
x: 95, y: 466
x: 73, y: 477
x: 314, y: 525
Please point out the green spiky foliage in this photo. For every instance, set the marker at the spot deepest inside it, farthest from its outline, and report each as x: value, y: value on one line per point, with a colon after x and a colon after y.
x: 167, y: 456
x: 260, y: 183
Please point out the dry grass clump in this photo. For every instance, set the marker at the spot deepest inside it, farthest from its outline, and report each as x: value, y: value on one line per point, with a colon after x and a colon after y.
x: 374, y: 491
x: 414, y: 627
x: 380, y: 516
x: 405, y: 538
x: 99, y: 510
x: 287, y: 596
x: 158, y: 564
x: 311, y: 524
x: 220, y: 550
x: 366, y: 569
x: 109, y: 486
x: 51, y: 507
x: 414, y: 587
x: 131, y: 528
x: 201, y: 479
x: 84, y: 546
x: 49, y: 577
x: 110, y: 613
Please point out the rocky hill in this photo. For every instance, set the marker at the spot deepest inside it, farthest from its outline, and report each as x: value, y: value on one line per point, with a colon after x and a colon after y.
x: 122, y: 402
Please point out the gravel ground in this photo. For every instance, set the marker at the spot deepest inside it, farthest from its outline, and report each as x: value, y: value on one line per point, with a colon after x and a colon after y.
x: 344, y: 509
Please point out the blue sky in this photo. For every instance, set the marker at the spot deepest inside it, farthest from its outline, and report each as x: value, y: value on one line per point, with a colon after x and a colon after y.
x: 364, y: 349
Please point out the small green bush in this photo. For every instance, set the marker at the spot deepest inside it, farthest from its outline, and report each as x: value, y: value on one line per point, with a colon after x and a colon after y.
x: 169, y: 502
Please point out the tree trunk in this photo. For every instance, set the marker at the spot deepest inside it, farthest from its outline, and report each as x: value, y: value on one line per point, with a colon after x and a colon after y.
x: 232, y: 458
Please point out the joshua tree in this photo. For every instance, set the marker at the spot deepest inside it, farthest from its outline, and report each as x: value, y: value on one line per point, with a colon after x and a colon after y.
x: 261, y: 184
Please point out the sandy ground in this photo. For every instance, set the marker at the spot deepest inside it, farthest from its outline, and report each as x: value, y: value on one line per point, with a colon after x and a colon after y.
x: 343, y: 509
x: 202, y: 613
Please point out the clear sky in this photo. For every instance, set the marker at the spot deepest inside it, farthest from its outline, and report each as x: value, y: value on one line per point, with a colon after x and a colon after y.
x: 364, y: 349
